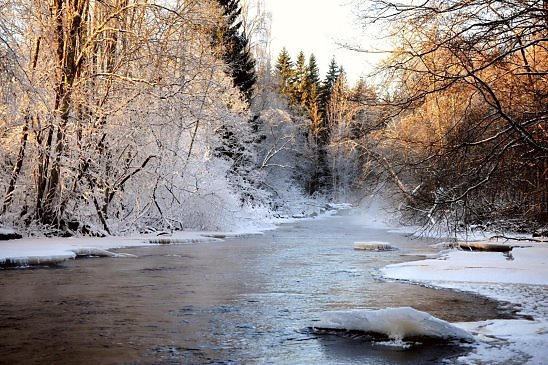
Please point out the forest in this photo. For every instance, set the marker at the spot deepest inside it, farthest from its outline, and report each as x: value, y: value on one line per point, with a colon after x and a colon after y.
x: 121, y: 116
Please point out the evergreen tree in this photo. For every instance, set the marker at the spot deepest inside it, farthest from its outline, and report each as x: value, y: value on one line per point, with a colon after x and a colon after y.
x: 312, y: 98
x: 312, y: 83
x: 284, y: 72
x: 299, y: 82
x: 327, y: 87
x: 313, y: 75
x: 235, y: 48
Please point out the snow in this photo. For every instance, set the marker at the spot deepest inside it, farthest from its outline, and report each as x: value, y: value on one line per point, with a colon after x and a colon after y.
x: 395, y: 323
x: 46, y: 251
x: 508, y: 342
x: 520, y: 278
x: 6, y: 231
x: 528, y: 265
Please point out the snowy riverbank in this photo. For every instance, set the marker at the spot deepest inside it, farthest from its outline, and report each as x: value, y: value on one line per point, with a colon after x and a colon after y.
x: 51, y: 250
x: 46, y: 251
x: 520, y: 278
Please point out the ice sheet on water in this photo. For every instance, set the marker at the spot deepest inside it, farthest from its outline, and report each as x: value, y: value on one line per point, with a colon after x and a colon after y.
x: 373, y: 246
x: 394, y: 323
x: 26, y: 261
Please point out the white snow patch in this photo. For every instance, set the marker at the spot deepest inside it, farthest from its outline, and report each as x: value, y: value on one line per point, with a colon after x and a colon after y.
x: 46, y: 251
x: 43, y: 251
x: 508, y: 342
x: 6, y: 231
x: 187, y: 237
x: 527, y: 265
x: 395, y: 323
x: 520, y: 278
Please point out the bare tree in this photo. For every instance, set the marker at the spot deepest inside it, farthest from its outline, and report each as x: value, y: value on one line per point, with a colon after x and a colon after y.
x: 110, y: 112
x: 467, y: 133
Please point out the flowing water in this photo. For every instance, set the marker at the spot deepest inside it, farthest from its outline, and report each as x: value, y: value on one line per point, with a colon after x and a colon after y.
x: 245, y: 300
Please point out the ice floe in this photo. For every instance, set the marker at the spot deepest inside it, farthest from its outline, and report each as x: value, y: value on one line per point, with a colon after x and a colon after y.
x: 403, y: 323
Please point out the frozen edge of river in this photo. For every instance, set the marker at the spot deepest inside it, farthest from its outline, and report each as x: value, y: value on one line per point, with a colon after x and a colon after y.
x: 522, y: 281
x: 26, y: 252
x: 53, y: 250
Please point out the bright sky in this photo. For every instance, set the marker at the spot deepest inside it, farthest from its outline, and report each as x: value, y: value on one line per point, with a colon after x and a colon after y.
x: 316, y: 26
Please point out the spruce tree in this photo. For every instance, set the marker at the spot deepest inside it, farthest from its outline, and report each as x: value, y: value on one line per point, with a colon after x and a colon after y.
x: 313, y: 98
x: 284, y: 72
x: 299, y: 82
x: 327, y: 87
x: 235, y: 51
x: 312, y: 83
x: 313, y: 75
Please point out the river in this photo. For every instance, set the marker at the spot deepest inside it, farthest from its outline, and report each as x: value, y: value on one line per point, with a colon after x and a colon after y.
x: 246, y: 300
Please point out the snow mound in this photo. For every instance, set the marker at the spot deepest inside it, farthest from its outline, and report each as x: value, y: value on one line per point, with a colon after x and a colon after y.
x: 59, y: 257
x: 182, y: 238
x: 404, y: 323
x: 373, y: 246
x: 8, y: 234
x: 27, y: 261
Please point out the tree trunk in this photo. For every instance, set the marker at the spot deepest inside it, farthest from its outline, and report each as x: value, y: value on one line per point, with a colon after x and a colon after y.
x: 65, y: 14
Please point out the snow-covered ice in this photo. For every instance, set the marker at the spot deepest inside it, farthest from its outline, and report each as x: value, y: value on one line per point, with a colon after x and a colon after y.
x: 7, y: 231
x: 395, y: 323
x: 528, y: 265
x: 520, y: 278
x: 45, y: 251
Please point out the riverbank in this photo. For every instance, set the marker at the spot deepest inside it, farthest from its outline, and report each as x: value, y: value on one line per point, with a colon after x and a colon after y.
x: 519, y: 277
x: 25, y: 252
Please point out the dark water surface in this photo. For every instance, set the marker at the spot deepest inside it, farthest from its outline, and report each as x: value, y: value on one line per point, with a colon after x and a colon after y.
x: 242, y: 301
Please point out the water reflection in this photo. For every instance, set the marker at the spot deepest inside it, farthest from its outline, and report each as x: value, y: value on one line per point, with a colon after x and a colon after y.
x: 354, y: 351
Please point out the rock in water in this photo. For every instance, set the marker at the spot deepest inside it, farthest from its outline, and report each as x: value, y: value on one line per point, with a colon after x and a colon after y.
x: 373, y: 246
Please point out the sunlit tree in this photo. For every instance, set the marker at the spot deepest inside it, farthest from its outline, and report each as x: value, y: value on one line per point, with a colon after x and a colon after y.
x: 284, y: 72
x: 468, y: 83
x: 111, y: 114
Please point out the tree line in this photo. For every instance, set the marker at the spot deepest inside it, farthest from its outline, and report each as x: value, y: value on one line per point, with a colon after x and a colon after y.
x: 123, y: 115
x: 109, y: 110
x: 464, y: 139
x: 455, y: 131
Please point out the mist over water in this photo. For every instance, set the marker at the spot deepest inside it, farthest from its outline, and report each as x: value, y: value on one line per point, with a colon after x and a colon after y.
x: 244, y: 300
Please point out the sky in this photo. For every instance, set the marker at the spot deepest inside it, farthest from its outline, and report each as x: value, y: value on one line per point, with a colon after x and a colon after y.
x: 317, y: 26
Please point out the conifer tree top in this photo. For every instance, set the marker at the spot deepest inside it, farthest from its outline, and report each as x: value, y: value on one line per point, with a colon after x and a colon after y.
x: 236, y: 52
